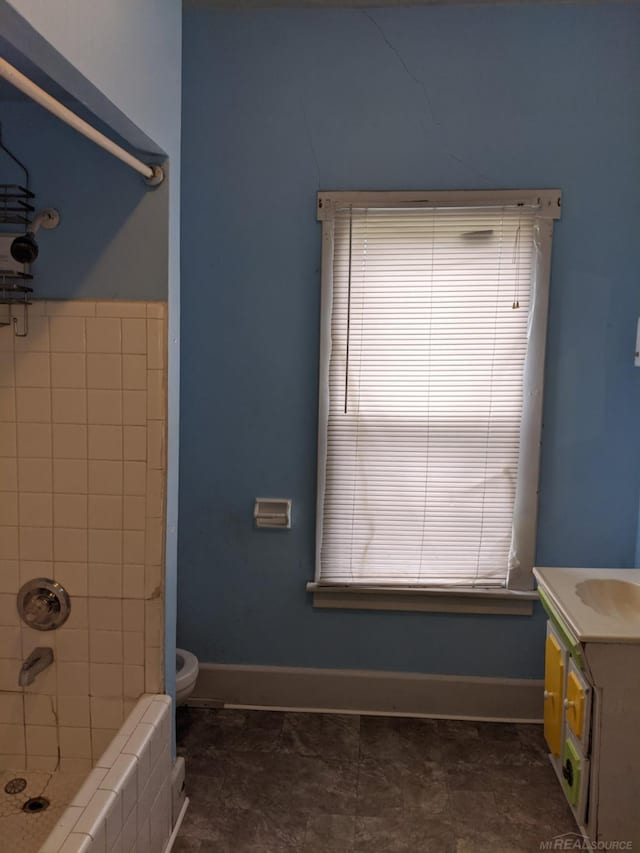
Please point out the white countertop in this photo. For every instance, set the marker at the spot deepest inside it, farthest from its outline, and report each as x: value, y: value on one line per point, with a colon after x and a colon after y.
x: 599, y: 605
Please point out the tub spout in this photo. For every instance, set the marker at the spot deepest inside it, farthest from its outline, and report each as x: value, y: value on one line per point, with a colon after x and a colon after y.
x: 39, y: 659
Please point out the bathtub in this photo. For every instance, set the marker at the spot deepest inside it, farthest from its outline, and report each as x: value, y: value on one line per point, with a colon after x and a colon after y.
x: 123, y: 805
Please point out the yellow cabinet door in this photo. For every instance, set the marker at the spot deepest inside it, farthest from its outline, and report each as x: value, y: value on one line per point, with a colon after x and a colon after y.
x: 553, y: 679
x: 577, y: 705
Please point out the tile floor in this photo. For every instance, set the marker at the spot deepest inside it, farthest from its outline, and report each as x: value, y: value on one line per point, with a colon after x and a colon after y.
x: 270, y: 782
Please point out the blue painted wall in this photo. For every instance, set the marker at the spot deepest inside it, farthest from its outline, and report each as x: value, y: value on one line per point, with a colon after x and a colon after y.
x: 278, y: 104
x: 112, y: 239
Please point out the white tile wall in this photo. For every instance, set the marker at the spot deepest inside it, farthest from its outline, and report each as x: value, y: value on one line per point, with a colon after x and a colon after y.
x: 125, y: 802
x: 82, y: 490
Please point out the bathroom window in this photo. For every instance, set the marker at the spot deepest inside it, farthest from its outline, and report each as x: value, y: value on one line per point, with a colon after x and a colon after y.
x: 432, y: 357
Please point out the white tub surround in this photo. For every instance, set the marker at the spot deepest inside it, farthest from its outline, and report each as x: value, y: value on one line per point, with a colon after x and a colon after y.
x: 82, y: 499
x: 125, y: 802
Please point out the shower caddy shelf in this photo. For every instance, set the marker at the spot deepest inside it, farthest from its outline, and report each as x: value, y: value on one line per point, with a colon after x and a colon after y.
x: 15, y: 289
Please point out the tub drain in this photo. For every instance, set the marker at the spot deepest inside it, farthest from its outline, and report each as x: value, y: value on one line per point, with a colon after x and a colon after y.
x: 15, y: 786
x: 35, y: 805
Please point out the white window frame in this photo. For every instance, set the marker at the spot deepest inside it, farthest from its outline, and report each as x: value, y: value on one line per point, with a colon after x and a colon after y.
x: 518, y: 597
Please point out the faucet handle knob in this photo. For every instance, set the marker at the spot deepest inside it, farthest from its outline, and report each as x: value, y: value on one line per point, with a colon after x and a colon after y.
x: 39, y: 606
x: 43, y: 604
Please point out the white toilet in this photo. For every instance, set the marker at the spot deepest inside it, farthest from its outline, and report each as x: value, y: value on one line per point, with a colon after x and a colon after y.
x: 186, y: 675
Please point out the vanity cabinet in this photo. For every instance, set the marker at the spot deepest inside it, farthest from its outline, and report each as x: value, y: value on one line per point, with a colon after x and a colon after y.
x: 592, y: 701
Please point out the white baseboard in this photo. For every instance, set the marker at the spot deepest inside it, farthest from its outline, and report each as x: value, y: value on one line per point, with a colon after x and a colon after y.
x: 369, y: 692
x: 176, y: 828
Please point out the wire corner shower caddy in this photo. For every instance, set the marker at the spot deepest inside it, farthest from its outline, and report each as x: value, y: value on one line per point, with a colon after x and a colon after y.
x: 17, y: 251
x: 16, y: 208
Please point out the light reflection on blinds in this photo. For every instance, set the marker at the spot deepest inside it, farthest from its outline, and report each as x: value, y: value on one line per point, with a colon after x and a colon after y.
x: 425, y: 394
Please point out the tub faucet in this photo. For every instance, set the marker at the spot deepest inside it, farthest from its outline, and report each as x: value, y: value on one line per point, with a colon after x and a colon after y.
x: 39, y: 659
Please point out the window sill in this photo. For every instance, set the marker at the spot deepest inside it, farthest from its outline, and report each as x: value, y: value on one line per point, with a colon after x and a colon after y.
x: 436, y: 600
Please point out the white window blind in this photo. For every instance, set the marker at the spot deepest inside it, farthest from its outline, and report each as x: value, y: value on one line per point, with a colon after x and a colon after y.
x: 430, y: 310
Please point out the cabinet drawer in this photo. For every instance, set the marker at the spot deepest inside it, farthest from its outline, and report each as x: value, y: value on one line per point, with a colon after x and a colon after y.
x: 577, y: 705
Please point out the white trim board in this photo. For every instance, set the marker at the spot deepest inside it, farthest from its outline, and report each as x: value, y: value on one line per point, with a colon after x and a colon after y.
x: 369, y: 692
x: 349, y: 4
x: 176, y: 828
x: 451, y: 600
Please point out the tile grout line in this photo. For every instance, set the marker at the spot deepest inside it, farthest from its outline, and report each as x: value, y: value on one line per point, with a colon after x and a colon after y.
x: 88, y: 563
x: 122, y: 534
x: 19, y: 561
x: 53, y: 698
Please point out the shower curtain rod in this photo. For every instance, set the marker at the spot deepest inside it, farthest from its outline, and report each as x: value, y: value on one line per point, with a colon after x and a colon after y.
x: 153, y: 175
